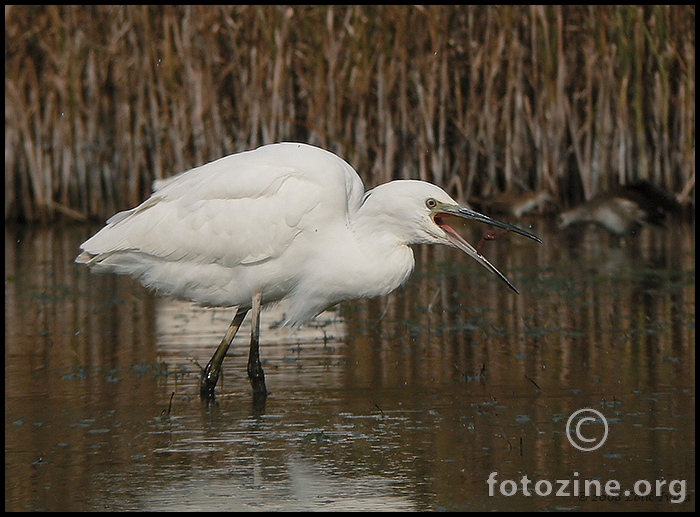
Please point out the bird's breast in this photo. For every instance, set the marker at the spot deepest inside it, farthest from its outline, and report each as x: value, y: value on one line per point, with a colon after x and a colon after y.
x: 344, y: 274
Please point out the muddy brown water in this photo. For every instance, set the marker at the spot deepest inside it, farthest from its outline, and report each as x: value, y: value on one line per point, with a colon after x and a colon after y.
x: 407, y: 402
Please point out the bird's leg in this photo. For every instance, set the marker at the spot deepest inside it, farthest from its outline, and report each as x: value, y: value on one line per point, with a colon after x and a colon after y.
x: 489, y: 235
x: 255, y: 371
x: 211, y: 373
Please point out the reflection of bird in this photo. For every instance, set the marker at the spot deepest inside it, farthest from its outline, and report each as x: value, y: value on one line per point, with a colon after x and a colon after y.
x: 285, y: 221
x: 624, y: 209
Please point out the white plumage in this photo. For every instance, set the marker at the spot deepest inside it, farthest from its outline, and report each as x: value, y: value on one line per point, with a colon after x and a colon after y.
x: 286, y: 220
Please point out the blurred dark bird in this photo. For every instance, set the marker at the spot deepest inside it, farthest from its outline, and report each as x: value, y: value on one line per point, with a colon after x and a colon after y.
x: 516, y: 204
x: 624, y: 210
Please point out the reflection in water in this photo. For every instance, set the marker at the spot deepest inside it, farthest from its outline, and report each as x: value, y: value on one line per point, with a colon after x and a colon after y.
x: 187, y: 335
x: 254, y: 482
x: 403, y: 402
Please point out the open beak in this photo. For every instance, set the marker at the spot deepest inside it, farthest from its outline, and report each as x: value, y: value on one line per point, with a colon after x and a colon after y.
x: 457, y: 241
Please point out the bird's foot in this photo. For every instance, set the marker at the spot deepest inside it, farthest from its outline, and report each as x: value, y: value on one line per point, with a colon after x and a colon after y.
x: 257, y: 379
x: 210, y: 377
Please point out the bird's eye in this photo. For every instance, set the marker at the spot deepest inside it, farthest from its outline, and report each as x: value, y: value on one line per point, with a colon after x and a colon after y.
x: 430, y: 203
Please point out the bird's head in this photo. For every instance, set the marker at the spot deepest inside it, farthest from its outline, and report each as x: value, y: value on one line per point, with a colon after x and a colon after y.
x: 418, y: 212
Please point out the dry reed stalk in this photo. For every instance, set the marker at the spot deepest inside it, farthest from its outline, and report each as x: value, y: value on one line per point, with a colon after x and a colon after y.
x: 100, y: 101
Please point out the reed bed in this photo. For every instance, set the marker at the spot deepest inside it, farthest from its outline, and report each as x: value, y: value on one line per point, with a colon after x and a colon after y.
x: 100, y: 101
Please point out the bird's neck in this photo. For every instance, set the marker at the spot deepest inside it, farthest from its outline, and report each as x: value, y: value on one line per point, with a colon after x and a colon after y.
x: 388, y: 252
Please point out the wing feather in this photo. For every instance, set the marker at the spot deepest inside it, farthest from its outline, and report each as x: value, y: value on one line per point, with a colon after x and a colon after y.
x: 240, y: 210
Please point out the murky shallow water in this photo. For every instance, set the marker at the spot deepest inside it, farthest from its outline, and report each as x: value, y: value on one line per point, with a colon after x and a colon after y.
x: 407, y: 402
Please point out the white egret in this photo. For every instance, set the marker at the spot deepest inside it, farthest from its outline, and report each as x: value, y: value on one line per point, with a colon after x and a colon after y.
x: 284, y: 221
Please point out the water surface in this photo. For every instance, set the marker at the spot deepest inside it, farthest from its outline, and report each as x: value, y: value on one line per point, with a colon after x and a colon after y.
x: 407, y: 402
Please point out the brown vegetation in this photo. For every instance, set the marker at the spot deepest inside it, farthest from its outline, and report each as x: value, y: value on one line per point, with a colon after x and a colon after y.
x: 100, y: 101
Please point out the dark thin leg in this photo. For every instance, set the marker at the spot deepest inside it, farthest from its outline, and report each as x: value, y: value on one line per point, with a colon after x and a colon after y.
x: 255, y: 371
x: 211, y: 373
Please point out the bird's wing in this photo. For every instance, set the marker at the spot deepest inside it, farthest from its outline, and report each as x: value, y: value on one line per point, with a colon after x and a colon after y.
x: 240, y: 209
